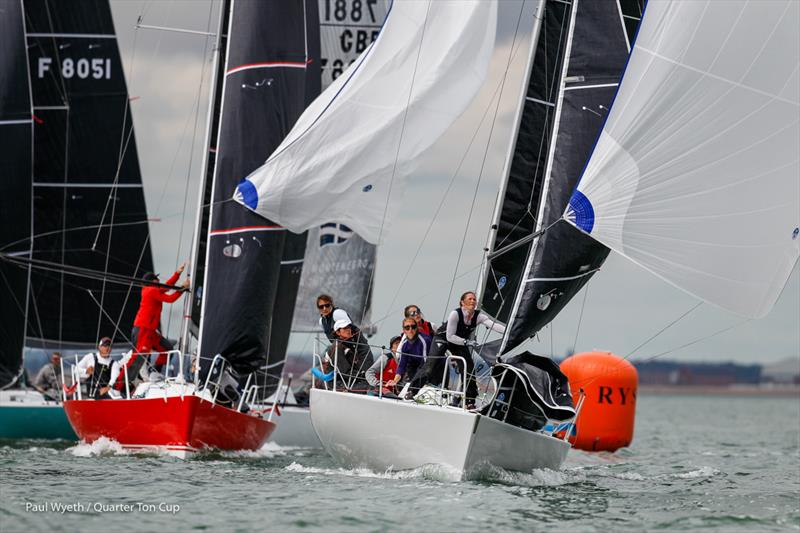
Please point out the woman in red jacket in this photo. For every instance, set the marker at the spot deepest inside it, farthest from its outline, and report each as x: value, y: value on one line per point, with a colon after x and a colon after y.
x: 146, y: 335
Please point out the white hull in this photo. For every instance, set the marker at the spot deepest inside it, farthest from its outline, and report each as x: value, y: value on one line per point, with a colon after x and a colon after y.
x: 381, y: 434
x: 294, y: 428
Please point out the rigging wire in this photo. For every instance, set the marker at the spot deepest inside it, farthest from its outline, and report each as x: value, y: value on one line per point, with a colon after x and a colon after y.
x: 191, y: 149
x: 450, y: 183
x: 662, y: 330
x: 580, y: 317
x: 397, y: 155
x: 485, y: 154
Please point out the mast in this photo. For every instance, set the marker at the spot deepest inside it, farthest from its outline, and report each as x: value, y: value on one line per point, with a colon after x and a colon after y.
x: 192, y: 305
x: 15, y: 203
x: 501, y: 193
x: 263, y: 93
x: 89, y: 207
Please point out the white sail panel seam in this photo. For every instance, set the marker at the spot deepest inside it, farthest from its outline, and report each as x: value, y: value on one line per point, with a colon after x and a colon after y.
x: 717, y: 77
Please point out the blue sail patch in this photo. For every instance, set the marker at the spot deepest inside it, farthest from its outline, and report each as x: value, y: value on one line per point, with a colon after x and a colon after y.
x: 580, y: 211
x: 247, y: 194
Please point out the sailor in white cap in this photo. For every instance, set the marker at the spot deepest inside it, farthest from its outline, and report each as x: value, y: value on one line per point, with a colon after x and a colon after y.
x: 351, y: 354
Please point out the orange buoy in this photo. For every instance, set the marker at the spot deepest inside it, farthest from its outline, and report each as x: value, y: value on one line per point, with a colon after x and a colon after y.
x: 609, y: 382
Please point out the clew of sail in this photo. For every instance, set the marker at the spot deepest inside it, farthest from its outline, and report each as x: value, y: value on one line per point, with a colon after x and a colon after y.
x: 394, y: 102
x: 695, y: 174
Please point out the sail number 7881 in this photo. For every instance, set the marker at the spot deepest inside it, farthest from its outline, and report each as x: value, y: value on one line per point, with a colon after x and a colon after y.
x: 98, y: 67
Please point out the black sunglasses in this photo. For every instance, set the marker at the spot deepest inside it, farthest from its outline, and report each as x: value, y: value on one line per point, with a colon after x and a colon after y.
x: 410, y: 326
x: 413, y: 313
x: 323, y: 306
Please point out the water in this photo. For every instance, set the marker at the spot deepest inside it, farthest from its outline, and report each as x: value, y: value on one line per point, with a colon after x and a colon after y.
x: 717, y: 464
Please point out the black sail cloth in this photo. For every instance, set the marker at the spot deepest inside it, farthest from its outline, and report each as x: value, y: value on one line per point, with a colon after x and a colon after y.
x: 89, y: 208
x: 265, y: 91
x: 531, y: 284
x: 534, y: 390
x: 15, y: 200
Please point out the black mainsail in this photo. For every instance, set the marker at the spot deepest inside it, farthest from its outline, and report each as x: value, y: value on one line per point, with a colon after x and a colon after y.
x: 88, y: 201
x: 579, y: 60
x: 268, y: 62
x: 15, y: 202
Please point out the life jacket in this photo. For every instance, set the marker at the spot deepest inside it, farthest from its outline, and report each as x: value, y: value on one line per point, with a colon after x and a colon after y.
x: 463, y: 329
x: 389, y: 370
x: 327, y: 325
x: 101, y: 376
x: 426, y: 328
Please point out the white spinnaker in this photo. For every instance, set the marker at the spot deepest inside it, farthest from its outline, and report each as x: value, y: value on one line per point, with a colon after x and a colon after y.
x: 695, y: 176
x: 338, y: 162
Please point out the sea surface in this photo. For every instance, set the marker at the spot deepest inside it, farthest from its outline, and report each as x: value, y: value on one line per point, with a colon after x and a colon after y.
x: 696, y: 463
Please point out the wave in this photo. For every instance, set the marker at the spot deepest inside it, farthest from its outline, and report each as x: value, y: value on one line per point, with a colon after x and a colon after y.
x: 99, y: 448
x: 431, y: 472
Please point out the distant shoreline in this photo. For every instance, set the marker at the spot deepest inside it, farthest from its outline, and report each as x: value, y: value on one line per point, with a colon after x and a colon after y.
x: 728, y: 390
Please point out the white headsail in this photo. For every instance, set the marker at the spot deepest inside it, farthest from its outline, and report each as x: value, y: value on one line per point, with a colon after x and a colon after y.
x: 695, y: 176
x: 364, y: 134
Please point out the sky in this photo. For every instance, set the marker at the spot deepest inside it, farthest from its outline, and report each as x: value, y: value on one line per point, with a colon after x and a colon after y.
x: 622, y: 307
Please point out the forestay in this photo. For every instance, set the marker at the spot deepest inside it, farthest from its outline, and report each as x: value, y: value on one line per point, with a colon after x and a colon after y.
x: 395, y: 101
x: 695, y: 174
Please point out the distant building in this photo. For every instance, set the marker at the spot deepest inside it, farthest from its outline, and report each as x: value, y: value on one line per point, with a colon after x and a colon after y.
x: 786, y: 371
x: 709, y: 374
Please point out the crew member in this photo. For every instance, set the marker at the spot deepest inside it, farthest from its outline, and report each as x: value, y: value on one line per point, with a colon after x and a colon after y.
x: 456, y: 335
x: 351, y: 355
x: 382, y: 371
x: 48, y: 380
x: 146, y: 335
x: 329, y: 315
x: 423, y: 326
x: 413, y: 350
x: 100, y: 370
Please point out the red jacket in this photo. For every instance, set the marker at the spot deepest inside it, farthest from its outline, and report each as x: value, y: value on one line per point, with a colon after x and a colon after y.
x: 149, y: 314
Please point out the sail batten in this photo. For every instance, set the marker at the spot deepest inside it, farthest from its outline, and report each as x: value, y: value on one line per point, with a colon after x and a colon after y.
x: 694, y: 176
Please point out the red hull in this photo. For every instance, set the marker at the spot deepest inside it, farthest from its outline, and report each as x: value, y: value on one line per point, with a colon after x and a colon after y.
x: 174, y: 423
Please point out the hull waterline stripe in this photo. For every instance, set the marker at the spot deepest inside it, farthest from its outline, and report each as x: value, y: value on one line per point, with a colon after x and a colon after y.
x: 245, y: 229
x: 277, y: 64
x: 75, y: 35
x: 20, y: 121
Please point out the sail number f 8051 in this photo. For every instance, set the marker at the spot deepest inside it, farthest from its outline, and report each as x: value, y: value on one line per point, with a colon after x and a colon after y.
x: 97, y: 68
